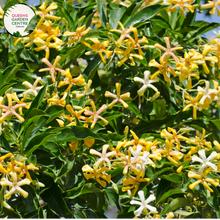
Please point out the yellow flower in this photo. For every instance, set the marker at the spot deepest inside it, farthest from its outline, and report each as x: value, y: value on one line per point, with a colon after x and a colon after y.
x: 97, y: 174
x: 85, y: 92
x: 181, y: 5
x: 164, y: 68
x: 95, y: 115
x: 56, y: 101
x: 73, y: 145
x: 44, y: 13
x: 146, y: 145
x: 69, y: 80
x: 127, y: 54
x: 100, y: 48
x: 118, y: 97
x: 80, y: 31
x: 125, y: 33
x: 208, y: 95
x: 42, y: 44
x: 15, y: 185
x: 217, y: 49
x: 75, y: 114
x: 212, y: 4
x: 173, y: 137
x: 2, y: 158
x: 202, y: 143
x: 11, y: 109
x: 133, y: 182
x: 192, y: 102
x: 172, y: 156
x: 203, y: 179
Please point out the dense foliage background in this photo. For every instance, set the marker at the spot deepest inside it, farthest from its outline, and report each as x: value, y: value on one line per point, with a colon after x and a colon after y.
x: 111, y: 103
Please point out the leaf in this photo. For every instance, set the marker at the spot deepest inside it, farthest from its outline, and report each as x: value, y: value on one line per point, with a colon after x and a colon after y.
x: 37, y: 101
x: 8, y: 74
x: 115, y: 16
x: 35, y: 141
x: 54, y: 199
x: 72, y: 133
x: 102, y: 11
x: 66, y: 168
x: 173, y: 177
x: 113, y: 197
x: 169, y: 193
x: 4, y: 143
x: 143, y: 15
x: 67, y: 16
x: 177, y: 203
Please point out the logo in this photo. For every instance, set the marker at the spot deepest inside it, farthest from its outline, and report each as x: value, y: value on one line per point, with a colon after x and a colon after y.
x: 20, y: 20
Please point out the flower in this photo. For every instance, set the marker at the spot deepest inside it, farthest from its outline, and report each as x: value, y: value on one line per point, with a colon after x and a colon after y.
x: 69, y: 80
x: 118, y: 97
x: 103, y: 156
x: 85, y: 92
x: 205, y: 161
x: 100, y: 48
x: 11, y: 109
x: 2, y: 158
x: 127, y: 54
x: 212, y: 4
x: 80, y: 31
x: 172, y: 156
x: 208, y: 95
x: 15, y: 185
x: 164, y: 68
x: 97, y: 174
x: 192, y: 102
x: 42, y: 44
x: 147, y: 83
x: 173, y: 137
x: 44, y: 12
x: 56, y: 101
x: 95, y: 115
x: 32, y: 88
x: 202, y: 143
x: 133, y: 182
x: 143, y: 204
x: 125, y: 33
x: 182, y: 4
x: 203, y: 179
x: 168, y: 50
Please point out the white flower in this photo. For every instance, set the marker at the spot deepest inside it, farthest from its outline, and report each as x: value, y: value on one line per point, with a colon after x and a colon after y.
x: 147, y: 83
x: 207, y: 93
x: 144, y: 204
x: 205, y: 161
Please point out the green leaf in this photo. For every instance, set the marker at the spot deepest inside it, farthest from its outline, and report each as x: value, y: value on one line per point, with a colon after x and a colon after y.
x: 66, y: 168
x: 177, y: 203
x: 37, y: 101
x: 67, y: 16
x: 173, y: 177
x: 115, y: 16
x: 54, y: 199
x: 8, y: 74
x: 4, y: 143
x: 73, y: 133
x: 113, y: 197
x: 184, y: 213
x: 143, y: 15
x: 168, y: 194
x: 102, y: 11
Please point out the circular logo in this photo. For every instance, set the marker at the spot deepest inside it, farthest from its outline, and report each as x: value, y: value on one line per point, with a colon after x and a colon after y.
x: 19, y: 20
